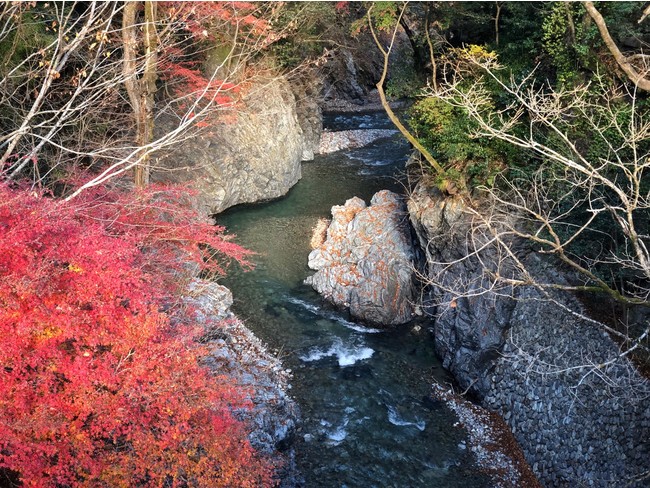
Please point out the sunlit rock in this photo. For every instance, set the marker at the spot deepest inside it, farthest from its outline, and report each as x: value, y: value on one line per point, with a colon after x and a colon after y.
x: 366, y: 263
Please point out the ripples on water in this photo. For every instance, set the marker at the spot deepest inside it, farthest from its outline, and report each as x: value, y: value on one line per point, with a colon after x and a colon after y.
x: 364, y: 393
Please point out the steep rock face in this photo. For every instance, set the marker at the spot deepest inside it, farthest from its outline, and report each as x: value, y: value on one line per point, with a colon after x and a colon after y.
x: 347, y: 78
x: 366, y: 262
x: 470, y: 325
x: 351, y: 74
x: 307, y: 92
x: 577, y: 408
x: 254, y: 157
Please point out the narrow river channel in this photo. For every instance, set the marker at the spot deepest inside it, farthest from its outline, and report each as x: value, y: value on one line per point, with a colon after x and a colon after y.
x: 368, y: 419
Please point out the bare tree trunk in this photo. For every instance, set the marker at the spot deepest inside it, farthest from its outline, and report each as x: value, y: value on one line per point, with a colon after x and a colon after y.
x: 496, y: 22
x: 384, y: 102
x: 141, y: 90
x: 432, y: 56
x: 570, y: 23
x: 639, y: 79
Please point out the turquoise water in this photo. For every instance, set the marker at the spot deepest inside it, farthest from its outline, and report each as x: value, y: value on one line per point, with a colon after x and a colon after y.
x: 364, y: 394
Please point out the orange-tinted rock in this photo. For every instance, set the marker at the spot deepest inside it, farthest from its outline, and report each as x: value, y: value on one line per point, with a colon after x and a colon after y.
x: 366, y: 264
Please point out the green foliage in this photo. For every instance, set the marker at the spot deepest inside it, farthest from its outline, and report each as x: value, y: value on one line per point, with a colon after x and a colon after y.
x: 30, y: 35
x: 567, y: 39
x: 447, y: 132
x: 404, y: 80
x: 310, y: 26
x: 520, y: 35
x: 384, y: 15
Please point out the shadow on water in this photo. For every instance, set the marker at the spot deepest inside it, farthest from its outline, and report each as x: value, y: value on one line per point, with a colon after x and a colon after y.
x: 364, y: 394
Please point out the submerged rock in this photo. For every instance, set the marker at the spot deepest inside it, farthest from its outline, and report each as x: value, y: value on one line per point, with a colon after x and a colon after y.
x: 366, y: 263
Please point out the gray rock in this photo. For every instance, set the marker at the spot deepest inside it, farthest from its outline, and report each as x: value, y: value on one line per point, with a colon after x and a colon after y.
x: 576, y: 423
x: 253, y: 156
x: 349, y: 139
x: 237, y: 353
x: 470, y: 324
x: 367, y: 260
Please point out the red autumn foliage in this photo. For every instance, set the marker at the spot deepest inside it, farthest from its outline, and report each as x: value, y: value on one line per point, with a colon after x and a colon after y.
x: 99, y: 386
x: 204, y: 21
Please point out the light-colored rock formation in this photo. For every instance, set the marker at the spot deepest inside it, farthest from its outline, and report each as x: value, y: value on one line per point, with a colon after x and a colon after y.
x: 255, y: 156
x: 367, y: 260
x: 350, y: 139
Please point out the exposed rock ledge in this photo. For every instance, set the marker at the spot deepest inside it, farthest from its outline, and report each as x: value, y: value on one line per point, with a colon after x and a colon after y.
x: 255, y: 156
x: 236, y: 352
x: 366, y: 262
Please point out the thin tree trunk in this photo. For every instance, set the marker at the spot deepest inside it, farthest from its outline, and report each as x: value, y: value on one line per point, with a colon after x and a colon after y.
x: 496, y: 23
x: 635, y: 77
x: 384, y: 102
x: 432, y: 55
x: 141, y: 91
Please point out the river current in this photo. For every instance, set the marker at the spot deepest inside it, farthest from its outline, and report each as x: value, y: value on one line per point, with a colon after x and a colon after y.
x: 364, y: 394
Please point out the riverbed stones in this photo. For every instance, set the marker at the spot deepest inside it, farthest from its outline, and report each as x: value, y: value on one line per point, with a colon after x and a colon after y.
x: 234, y: 351
x: 366, y: 263
x: 349, y: 139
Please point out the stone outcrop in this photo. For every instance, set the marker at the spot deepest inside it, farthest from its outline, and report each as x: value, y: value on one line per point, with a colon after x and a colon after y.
x: 578, y: 410
x: 253, y: 157
x: 367, y: 260
x: 351, y: 73
x: 348, y: 78
x: 237, y: 353
x: 470, y: 325
x: 307, y: 90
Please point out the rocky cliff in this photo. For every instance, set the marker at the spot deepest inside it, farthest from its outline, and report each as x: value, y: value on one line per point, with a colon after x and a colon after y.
x: 238, y: 354
x: 252, y: 156
x: 577, y: 407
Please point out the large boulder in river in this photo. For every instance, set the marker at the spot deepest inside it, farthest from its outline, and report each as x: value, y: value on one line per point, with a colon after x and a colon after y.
x: 366, y: 263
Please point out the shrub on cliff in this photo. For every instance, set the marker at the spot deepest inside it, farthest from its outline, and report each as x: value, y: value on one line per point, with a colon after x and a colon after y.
x: 100, y: 384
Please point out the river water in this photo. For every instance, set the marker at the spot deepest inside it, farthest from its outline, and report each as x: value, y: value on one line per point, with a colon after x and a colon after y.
x: 368, y: 419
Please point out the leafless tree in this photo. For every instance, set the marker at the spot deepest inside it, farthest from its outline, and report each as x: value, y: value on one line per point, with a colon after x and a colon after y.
x: 574, y: 198
x: 635, y: 67
x: 82, y: 91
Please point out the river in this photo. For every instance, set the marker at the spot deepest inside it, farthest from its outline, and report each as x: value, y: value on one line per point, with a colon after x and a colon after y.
x: 368, y: 418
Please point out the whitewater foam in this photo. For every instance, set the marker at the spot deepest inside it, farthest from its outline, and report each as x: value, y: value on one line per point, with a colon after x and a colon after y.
x: 347, y: 355
x: 395, y: 419
x: 332, y: 316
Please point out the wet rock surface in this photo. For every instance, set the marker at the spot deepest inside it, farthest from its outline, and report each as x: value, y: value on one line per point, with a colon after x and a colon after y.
x: 349, y: 139
x: 366, y: 262
x: 578, y: 409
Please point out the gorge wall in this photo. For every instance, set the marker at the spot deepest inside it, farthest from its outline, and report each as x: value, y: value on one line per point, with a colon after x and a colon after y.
x: 579, y: 411
x: 577, y: 408
x: 254, y: 154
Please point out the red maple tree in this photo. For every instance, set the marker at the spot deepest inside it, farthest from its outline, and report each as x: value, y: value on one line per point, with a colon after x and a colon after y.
x: 100, y: 384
